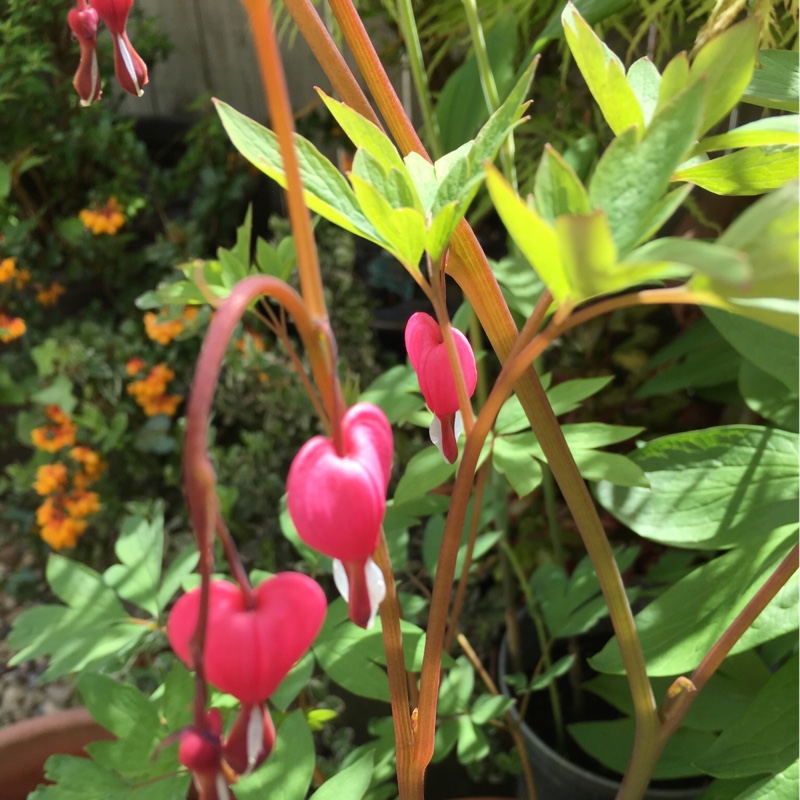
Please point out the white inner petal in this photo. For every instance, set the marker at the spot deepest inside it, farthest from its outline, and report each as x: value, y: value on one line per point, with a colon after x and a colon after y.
x: 435, y: 432
x: 222, y: 787
x: 255, y: 736
x: 126, y: 57
x: 458, y: 425
x: 340, y: 579
x: 376, y: 587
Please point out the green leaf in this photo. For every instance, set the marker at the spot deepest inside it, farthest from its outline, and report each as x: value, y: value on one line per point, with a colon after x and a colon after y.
x: 557, y: 188
x: 293, y: 683
x: 708, y: 486
x: 679, y: 627
x: 767, y: 232
x: 119, y: 707
x: 488, y: 707
x: 762, y: 132
x: 595, y: 465
x: 558, y: 668
x: 604, y: 74
x: 769, y: 397
x: 351, y: 782
x: 611, y: 743
x: 287, y: 773
x: 568, y: 395
x: 537, y: 241
x: 675, y: 78
x: 512, y: 457
x: 80, y: 586
x: 402, y: 230
x: 472, y: 744
x: 79, y: 779
x: 432, y: 544
x: 456, y: 687
x: 139, y: 548
x: 181, y: 565
x: 363, y: 133
x: 726, y: 64
x: 778, y: 787
x: 425, y: 471
x: 326, y: 191
x: 776, y: 83
x: 354, y: 658
x: 764, y: 738
x: 645, y: 80
x: 754, y: 170
x: 632, y: 176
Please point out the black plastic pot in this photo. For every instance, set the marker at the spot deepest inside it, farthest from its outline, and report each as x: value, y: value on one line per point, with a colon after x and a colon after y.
x: 555, y: 777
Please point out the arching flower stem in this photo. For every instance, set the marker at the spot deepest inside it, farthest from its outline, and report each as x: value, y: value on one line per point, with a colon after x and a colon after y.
x: 280, y: 111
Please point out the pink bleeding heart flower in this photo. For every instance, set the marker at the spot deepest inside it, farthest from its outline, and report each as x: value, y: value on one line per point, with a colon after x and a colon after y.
x: 249, y: 651
x: 337, y: 502
x: 428, y: 355
x: 129, y: 68
x: 83, y: 23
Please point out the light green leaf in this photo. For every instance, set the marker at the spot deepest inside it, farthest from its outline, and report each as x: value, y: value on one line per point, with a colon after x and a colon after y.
x: 591, y: 435
x: 726, y: 64
x: 604, y: 74
x: 80, y: 779
x: 401, y: 229
x: 764, y: 739
x: 782, y: 786
x: 768, y: 396
x: 472, y: 744
x: 488, y: 707
x: 568, y: 395
x: 423, y: 177
x: 675, y: 78
x: 293, y: 683
x: 754, y: 170
x: 351, y: 782
x: 708, y: 487
x: 80, y: 586
x: 512, y: 457
x: 678, y: 628
x: 536, y: 240
x: 767, y: 232
x: 425, y: 471
x: 441, y: 229
x: 558, y: 668
x: 645, y: 80
x: 139, y: 548
x: 326, y: 191
x: 596, y: 465
x: 456, y: 687
x: 762, y: 132
x: 776, y: 84
x: 363, y: 133
x: 432, y: 544
x: 119, y: 707
x: 557, y: 189
x: 632, y: 176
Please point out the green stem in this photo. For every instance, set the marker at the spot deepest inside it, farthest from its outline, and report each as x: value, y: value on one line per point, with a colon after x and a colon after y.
x: 489, y: 86
x: 408, y: 27
x: 551, y: 512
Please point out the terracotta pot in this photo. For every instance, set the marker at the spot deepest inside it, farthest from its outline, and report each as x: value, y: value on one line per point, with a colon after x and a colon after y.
x: 25, y: 746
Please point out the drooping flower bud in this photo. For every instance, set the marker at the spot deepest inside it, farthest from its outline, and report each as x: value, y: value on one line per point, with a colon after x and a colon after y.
x: 337, y: 502
x: 428, y: 355
x: 129, y: 68
x: 249, y: 651
x: 201, y: 752
x: 83, y: 23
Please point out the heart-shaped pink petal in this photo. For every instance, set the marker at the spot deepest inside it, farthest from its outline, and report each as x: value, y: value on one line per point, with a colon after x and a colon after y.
x: 248, y: 652
x: 337, y: 502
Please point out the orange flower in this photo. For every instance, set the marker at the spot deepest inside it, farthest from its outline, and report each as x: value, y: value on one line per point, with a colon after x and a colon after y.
x: 58, y: 528
x: 134, y: 366
x: 106, y: 219
x: 162, y: 332
x: 61, y: 433
x: 151, y: 392
x: 11, y: 328
x: 92, y: 465
x: 49, y: 297
x: 21, y: 278
x: 8, y: 269
x: 50, y: 478
x: 80, y: 503
x: 190, y: 313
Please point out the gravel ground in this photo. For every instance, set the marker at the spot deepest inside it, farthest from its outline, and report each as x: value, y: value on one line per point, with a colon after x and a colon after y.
x: 21, y: 694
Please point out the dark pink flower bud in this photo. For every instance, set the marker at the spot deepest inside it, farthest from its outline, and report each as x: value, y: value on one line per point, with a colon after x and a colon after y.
x: 249, y: 651
x: 201, y: 752
x: 83, y: 23
x: 337, y: 502
x: 428, y: 355
x: 129, y: 68
x: 251, y: 740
